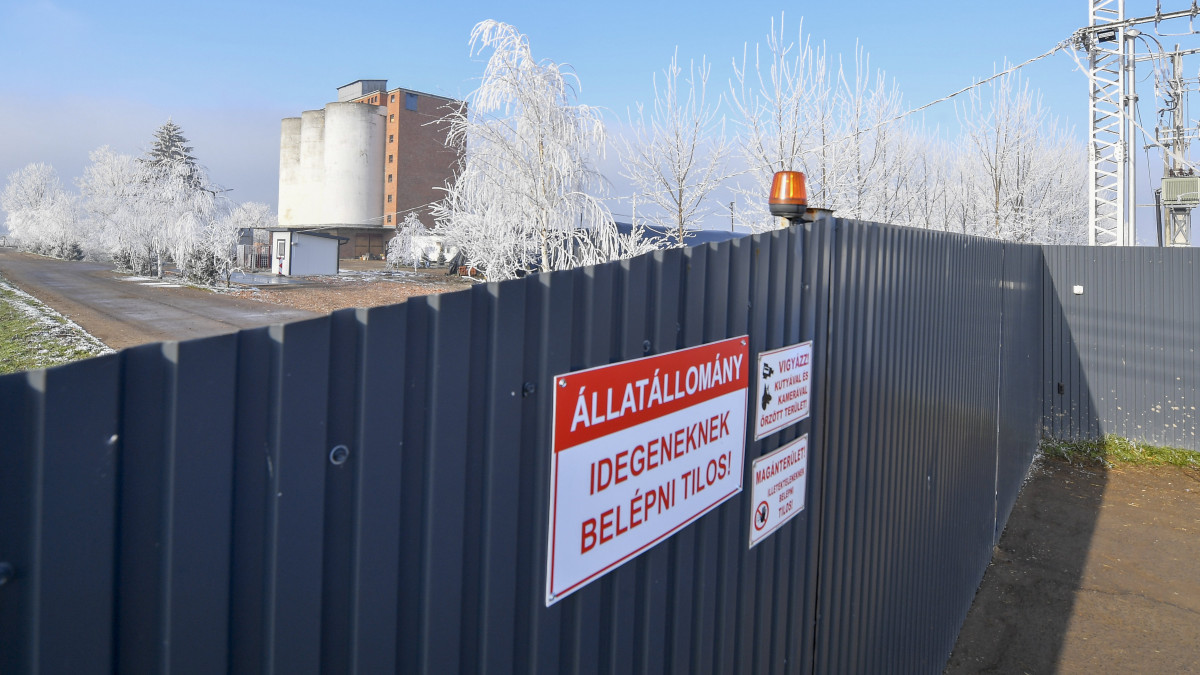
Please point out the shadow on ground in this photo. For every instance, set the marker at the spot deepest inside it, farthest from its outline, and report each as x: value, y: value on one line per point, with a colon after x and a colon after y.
x: 1021, y: 612
x: 1096, y: 572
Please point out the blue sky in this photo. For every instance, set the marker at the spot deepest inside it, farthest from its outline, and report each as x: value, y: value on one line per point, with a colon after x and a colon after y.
x: 78, y: 75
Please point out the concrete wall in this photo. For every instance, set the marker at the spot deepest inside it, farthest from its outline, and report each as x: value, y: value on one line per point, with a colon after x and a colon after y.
x: 354, y: 140
x: 290, y: 195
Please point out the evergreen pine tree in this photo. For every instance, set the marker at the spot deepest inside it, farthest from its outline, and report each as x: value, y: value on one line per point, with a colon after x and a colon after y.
x: 171, y: 149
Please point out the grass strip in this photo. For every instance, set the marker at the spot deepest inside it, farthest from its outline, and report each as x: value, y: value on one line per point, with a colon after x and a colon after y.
x: 33, y: 335
x: 1111, y: 451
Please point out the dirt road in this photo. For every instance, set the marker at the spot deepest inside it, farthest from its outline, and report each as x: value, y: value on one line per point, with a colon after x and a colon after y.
x: 122, y: 311
x: 1098, y: 571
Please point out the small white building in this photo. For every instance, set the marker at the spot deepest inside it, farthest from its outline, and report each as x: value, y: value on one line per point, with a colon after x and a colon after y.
x: 298, y: 254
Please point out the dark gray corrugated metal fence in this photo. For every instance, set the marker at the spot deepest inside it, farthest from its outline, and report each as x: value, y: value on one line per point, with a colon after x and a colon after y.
x: 186, y: 505
x: 1121, y: 356
x: 928, y: 432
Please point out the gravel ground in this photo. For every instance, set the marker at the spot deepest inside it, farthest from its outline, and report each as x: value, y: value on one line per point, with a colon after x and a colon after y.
x: 357, y: 288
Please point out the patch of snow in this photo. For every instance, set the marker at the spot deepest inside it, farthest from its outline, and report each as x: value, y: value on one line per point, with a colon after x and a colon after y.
x: 53, y: 324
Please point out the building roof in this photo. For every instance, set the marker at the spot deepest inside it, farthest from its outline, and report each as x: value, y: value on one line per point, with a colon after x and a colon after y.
x: 422, y: 93
x: 309, y: 233
x: 364, y: 79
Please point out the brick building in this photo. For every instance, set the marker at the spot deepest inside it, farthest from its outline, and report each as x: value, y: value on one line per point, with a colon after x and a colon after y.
x: 360, y: 165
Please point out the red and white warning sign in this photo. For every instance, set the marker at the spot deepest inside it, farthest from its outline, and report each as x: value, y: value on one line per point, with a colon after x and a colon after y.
x: 783, y: 393
x: 641, y: 449
x: 778, y: 491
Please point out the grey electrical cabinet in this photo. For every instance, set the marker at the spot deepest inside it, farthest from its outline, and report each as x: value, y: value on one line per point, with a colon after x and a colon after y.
x: 1181, y: 191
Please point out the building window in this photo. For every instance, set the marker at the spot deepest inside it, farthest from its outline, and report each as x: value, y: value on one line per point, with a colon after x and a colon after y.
x: 389, y: 199
x: 393, y: 98
x: 391, y: 138
x: 389, y: 177
x: 410, y: 101
x: 391, y: 158
x: 389, y: 219
x: 392, y: 117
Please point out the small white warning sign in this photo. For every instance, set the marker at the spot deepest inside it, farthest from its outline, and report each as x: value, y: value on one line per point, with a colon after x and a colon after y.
x: 783, y: 393
x: 778, y: 492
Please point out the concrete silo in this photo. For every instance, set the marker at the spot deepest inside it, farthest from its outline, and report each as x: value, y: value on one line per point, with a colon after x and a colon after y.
x: 353, y: 168
x: 290, y: 193
x: 354, y: 149
x: 312, y: 168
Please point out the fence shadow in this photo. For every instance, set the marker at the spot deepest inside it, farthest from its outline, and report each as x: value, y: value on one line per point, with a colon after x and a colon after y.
x: 1023, y: 609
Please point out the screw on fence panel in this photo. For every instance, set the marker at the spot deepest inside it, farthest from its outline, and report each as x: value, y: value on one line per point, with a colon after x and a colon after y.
x: 338, y: 455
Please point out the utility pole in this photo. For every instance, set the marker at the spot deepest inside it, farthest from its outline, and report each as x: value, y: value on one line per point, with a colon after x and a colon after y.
x: 1180, y: 191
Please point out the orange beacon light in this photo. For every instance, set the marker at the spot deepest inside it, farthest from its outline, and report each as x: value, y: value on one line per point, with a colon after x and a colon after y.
x: 789, y: 198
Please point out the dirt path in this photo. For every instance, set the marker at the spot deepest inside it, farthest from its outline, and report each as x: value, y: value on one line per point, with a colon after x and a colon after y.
x: 1098, y: 571
x: 123, y: 311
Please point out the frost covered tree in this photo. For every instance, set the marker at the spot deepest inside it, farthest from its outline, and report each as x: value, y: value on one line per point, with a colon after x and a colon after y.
x: 144, y: 214
x: 156, y: 208
x: 117, y: 194
x: 170, y: 153
x: 927, y: 207
x: 867, y: 180
x: 193, y: 211
x: 138, y: 212
x: 40, y: 215
x: 796, y: 113
x: 217, y: 244
x: 1022, y: 177
x: 675, y: 159
x: 782, y: 104
x: 526, y: 192
x: 1012, y: 173
x: 401, y: 249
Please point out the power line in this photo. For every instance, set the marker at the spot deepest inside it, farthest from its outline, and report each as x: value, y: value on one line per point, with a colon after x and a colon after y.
x: 1169, y: 151
x: 1059, y: 46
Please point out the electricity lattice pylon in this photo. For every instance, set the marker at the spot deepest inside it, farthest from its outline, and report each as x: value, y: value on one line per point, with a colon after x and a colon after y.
x: 1110, y: 215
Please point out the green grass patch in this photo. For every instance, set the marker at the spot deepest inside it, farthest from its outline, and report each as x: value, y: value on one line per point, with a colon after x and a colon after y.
x: 34, y: 336
x: 1116, y: 451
